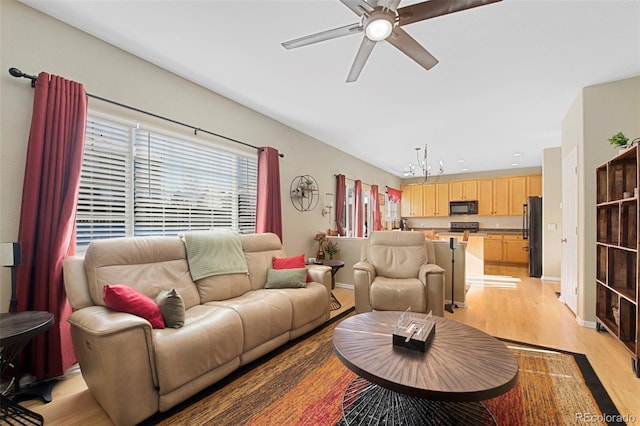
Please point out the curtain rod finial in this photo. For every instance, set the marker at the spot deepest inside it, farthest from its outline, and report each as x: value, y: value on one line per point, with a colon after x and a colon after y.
x: 17, y: 73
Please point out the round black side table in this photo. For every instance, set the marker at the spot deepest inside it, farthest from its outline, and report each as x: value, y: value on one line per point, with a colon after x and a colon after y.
x: 16, y: 329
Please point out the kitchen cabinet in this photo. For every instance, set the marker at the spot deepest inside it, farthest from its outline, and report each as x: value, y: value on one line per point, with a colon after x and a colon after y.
x: 462, y: 190
x: 506, y: 248
x: 517, y: 194
x: 534, y: 185
x: 493, y: 248
x: 493, y: 197
x: 520, y: 189
x: 436, y: 200
x: 412, y: 201
x: 516, y: 249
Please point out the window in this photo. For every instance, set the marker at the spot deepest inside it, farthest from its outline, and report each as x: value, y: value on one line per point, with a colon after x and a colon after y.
x: 147, y: 182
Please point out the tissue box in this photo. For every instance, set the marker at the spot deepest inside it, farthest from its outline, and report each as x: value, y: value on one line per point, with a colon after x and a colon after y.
x: 414, y: 334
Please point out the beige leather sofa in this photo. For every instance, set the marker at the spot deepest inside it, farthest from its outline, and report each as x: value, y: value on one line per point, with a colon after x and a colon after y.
x: 134, y: 370
x: 398, y: 270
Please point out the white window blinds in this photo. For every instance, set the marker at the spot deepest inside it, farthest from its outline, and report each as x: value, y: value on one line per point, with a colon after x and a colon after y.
x: 162, y: 185
x: 104, y: 201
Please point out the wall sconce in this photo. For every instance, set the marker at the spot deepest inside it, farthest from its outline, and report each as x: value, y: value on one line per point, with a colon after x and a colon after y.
x: 328, y: 204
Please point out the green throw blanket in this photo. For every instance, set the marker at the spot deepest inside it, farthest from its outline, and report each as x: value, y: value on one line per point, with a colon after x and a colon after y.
x: 214, y: 253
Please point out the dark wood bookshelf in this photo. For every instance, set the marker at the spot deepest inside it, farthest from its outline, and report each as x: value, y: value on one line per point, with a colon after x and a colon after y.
x: 617, y: 251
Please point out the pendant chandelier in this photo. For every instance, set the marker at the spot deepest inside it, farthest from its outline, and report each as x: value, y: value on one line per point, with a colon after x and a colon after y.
x: 422, y: 167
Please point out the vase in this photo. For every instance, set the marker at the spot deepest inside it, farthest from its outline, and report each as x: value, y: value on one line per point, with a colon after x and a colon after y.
x: 320, y: 252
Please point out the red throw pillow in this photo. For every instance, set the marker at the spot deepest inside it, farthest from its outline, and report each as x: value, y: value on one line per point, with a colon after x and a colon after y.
x: 123, y: 298
x: 290, y: 263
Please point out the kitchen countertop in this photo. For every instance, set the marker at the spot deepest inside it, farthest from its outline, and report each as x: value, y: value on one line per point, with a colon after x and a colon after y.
x: 481, y: 233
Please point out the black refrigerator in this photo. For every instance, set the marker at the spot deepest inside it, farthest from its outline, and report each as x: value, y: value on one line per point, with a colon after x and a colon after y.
x: 532, y: 232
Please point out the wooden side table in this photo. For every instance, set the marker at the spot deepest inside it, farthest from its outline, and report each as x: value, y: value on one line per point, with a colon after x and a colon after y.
x: 16, y: 329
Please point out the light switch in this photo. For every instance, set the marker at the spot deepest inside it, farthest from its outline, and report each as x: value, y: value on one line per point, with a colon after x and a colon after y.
x: 552, y: 227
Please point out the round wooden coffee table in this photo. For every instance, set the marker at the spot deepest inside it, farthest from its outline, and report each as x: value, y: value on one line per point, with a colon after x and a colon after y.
x: 443, y: 385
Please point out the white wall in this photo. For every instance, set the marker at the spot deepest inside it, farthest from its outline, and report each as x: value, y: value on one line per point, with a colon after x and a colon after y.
x: 35, y: 42
x: 551, y: 212
x: 598, y: 112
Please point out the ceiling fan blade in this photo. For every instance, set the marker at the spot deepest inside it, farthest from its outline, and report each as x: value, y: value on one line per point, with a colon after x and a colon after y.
x: 433, y: 8
x: 361, y: 58
x: 407, y: 45
x: 360, y: 6
x: 323, y: 36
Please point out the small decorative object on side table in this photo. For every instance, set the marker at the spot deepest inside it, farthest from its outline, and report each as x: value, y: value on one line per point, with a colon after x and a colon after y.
x: 321, y: 238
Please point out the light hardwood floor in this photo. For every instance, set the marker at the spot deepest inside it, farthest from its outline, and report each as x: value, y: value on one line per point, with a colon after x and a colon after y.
x: 513, y: 307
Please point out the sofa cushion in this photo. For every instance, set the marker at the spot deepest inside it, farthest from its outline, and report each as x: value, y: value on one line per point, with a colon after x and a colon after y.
x: 211, y: 337
x: 265, y: 314
x: 390, y: 294
x: 171, y: 307
x: 307, y: 304
x: 222, y: 287
x: 289, y: 263
x: 123, y: 298
x: 286, y: 278
x: 149, y: 264
x: 260, y: 249
x: 397, y: 254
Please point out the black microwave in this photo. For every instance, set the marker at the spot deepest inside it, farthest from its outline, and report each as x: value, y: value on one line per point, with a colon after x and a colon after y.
x: 463, y: 207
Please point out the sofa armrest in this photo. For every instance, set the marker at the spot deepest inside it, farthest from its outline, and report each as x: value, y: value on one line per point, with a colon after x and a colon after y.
x: 115, y: 352
x: 363, y: 275
x: 76, y: 284
x: 321, y: 274
x: 433, y: 278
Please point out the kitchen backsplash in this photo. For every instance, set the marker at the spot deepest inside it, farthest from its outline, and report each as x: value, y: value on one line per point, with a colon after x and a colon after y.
x: 486, y: 222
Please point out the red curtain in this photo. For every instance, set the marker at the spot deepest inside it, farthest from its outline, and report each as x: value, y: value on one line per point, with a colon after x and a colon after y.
x: 375, y: 207
x: 357, y: 208
x: 394, y: 194
x: 268, y: 205
x: 341, y: 197
x: 47, y: 217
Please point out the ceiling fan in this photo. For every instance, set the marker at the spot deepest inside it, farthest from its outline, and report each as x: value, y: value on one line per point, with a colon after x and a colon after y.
x: 382, y: 20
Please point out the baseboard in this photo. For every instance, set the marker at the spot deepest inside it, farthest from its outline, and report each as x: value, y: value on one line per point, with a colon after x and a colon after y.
x: 460, y: 304
x: 345, y: 285
x: 545, y: 278
x: 586, y: 324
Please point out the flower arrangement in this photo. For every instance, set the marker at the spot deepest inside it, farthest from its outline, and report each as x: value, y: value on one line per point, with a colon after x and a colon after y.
x: 331, y: 248
x: 320, y: 237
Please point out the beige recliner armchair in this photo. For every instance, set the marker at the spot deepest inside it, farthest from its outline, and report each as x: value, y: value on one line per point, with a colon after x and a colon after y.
x: 397, y: 272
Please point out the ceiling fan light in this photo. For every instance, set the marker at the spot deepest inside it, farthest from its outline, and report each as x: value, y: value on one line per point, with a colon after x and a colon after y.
x: 379, y: 29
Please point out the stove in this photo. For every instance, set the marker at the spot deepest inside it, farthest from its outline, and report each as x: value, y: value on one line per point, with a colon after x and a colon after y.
x: 464, y: 226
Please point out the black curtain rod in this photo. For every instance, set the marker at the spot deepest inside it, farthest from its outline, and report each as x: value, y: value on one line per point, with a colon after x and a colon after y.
x: 19, y: 74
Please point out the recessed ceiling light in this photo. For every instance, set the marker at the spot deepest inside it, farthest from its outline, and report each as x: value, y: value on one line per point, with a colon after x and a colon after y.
x: 461, y: 161
x: 515, y: 164
x: 465, y: 169
x: 517, y: 154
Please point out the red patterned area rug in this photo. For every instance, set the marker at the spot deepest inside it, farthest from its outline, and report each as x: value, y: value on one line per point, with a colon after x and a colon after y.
x: 303, y: 383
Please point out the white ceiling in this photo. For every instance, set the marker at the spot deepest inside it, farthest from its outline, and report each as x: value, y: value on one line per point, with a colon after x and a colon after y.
x: 508, y: 71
